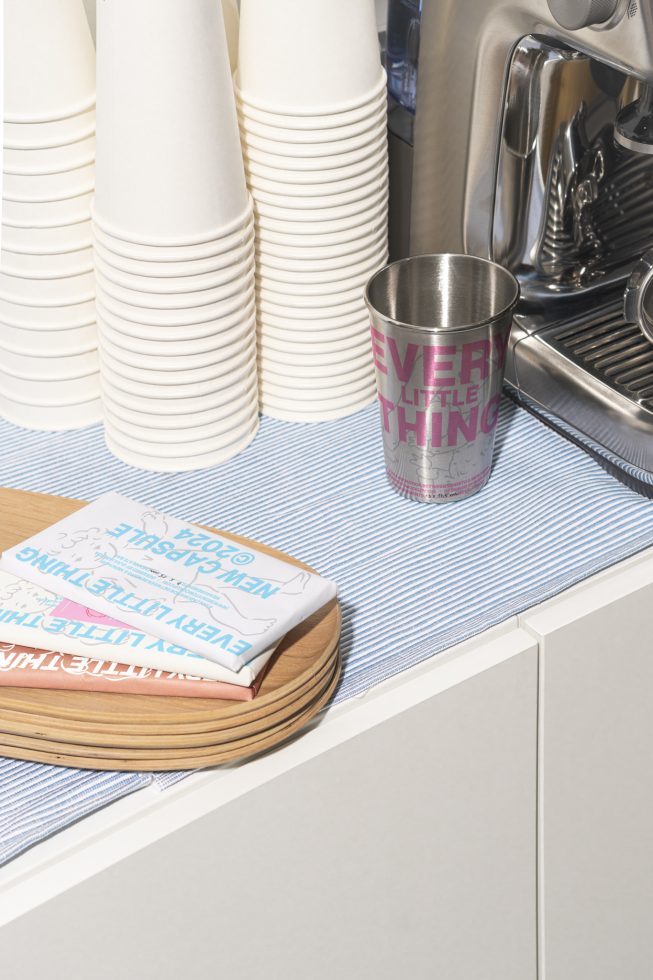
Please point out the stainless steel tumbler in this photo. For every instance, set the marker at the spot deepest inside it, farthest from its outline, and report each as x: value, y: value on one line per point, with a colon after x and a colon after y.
x: 440, y: 330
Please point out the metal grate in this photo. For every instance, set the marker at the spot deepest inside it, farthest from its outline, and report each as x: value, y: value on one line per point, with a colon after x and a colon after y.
x: 611, y: 349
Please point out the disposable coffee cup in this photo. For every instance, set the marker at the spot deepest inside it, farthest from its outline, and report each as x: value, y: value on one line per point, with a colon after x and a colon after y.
x: 57, y: 342
x: 49, y: 135
x: 160, y: 271
x: 49, y: 61
x: 323, y: 184
x: 322, y: 141
x: 49, y: 161
x: 163, y: 410
x: 440, y: 331
x: 47, y: 214
x: 218, y: 331
x: 269, y: 159
x: 316, y: 366
x: 231, y: 238
x: 357, y: 214
x: 376, y: 186
x: 365, y: 267
x: 334, y: 170
x: 50, y: 416
x: 169, y: 162
x: 145, y: 459
x: 47, y: 241
x: 47, y: 188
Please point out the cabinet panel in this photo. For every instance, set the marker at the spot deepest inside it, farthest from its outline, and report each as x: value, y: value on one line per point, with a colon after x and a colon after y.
x: 406, y: 849
x: 596, y: 779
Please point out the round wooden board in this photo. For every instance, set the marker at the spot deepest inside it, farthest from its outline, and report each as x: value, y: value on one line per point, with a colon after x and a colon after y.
x: 149, y: 725
x: 237, y: 751
x: 46, y: 730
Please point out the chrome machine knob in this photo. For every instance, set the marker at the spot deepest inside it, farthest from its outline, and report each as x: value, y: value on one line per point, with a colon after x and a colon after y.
x: 638, y: 298
x: 574, y: 14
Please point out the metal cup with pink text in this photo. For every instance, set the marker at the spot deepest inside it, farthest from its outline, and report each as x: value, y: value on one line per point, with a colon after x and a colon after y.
x: 440, y: 330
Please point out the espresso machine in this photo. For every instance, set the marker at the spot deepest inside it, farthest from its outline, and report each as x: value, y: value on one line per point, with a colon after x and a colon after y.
x: 522, y: 131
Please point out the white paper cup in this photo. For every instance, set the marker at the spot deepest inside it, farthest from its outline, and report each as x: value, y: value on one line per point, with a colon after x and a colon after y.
x: 218, y: 340
x: 226, y: 326
x: 152, y: 290
x: 51, y: 417
x: 180, y: 436
x: 171, y: 302
x: 169, y: 165
x: 289, y: 412
x: 300, y: 56
x: 316, y: 125
x: 163, y: 411
x: 307, y: 202
x: 323, y: 246
x: 49, y: 135
x: 180, y: 445
x: 231, y: 16
x: 48, y: 188
x: 262, y: 161
x: 233, y: 238
x: 176, y: 318
x: 49, y: 60
x: 341, y: 172
x: 305, y: 346
x: 115, y: 376
x: 312, y: 143
x: 345, y: 259
x: 47, y: 292
x: 331, y: 296
x: 53, y: 265
x: 175, y: 270
x: 43, y: 362
x: 47, y: 317
x: 296, y: 285
x: 49, y: 161
x: 163, y: 464
x: 318, y: 375
x: 47, y: 215
x: 177, y: 371
x: 297, y: 320
x: 47, y: 241
x: 172, y: 361
x: 317, y: 398
x: 307, y: 390
x: 323, y: 184
x: 318, y: 366
x: 369, y: 210
x: 246, y: 395
x: 374, y: 260
x: 44, y: 390
x: 58, y: 342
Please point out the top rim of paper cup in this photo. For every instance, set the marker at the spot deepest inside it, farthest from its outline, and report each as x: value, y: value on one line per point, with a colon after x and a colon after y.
x: 203, y: 239
x: 332, y: 110
x: 68, y: 113
x: 46, y: 143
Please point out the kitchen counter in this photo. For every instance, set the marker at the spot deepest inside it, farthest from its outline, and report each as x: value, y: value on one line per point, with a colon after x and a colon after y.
x: 403, y: 824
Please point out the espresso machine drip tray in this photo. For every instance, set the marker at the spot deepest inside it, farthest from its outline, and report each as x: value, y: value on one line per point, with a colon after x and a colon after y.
x: 595, y: 371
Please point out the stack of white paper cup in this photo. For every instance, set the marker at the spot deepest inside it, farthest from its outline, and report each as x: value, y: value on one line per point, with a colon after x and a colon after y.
x: 311, y: 95
x: 49, y: 372
x: 174, y: 239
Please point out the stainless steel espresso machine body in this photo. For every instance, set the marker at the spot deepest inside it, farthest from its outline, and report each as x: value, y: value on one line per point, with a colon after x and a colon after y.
x: 526, y: 136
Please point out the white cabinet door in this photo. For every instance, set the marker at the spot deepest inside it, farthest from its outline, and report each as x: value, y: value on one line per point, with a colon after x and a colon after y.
x: 397, y: 839
x: 596, y: 777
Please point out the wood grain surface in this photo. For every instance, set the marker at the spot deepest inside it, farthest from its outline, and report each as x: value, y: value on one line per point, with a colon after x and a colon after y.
x: 131, y: 731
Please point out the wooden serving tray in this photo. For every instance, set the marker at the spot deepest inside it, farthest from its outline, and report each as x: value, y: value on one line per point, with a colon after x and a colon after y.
x: 131, y: 732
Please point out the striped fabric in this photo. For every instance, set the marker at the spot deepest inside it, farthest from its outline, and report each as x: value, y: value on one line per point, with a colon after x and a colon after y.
x: 37, y: 801
x: 413, y: 579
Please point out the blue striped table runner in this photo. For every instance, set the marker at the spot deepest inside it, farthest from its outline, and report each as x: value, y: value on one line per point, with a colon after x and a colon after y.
x: 413, y: 579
